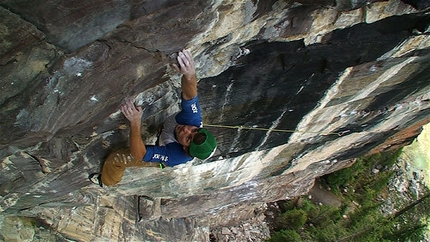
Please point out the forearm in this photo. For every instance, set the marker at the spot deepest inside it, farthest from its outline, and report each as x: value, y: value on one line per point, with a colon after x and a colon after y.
x: 137, y: 146
x: 189, y: 86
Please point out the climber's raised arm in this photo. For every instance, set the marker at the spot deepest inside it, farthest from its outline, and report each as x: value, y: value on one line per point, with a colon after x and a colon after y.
x: 182, y: 138
x: 134, y: 115
x: 189, y: 79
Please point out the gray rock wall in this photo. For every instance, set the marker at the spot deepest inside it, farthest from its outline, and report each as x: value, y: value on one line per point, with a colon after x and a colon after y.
x: 330, y: 82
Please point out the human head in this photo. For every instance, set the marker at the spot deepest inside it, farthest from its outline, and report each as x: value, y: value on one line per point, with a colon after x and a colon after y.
x: 203, y: 144
x: 200, y: 139
x: 185, y: 134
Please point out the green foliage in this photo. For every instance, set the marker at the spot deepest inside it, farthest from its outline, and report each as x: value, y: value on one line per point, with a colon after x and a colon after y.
x: 293, y: 219
x: 326, y: 214
x: 411, y: 233
x: 287, y: 205
x: 359, y: 219
x: 361, y: 172
x: 284, y: 236
x: 344, y: 176
x: 385, y: 159
x: 382, y: 181
x: 309, y: 207
x: 330, y: 232
x: 412, y: 220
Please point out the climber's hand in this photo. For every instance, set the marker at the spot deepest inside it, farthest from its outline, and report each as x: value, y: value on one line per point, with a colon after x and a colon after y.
x: 189, y: 79
x: 131, y: 112
x: 186, y: 64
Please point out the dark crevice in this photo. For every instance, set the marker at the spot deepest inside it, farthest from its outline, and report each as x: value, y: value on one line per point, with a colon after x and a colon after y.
x: 42, y: 164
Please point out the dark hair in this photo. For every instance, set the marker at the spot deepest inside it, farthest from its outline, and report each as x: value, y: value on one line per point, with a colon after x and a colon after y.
x: 199, y: 138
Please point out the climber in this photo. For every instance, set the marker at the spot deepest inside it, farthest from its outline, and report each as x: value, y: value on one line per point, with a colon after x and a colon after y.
x: 181, y: 138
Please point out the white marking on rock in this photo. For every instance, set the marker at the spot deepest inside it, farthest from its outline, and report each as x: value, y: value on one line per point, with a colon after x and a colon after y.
x: 274, y: 125
x: 226, y: 99
x: 94, y: 98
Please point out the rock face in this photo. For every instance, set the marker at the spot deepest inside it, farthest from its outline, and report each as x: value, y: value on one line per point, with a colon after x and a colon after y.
x: 327, y: 81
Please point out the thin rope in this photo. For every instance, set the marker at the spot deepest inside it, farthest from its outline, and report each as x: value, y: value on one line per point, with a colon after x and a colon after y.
x: 273, y: 130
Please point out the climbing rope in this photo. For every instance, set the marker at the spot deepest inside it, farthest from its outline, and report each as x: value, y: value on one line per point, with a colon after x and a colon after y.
x: 273, y: 130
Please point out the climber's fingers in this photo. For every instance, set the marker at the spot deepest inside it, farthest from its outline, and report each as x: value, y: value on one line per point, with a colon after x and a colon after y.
x: 131, y: 112
x: 186, y: 63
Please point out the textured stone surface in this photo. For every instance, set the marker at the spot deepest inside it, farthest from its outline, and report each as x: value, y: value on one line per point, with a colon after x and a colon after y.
x: 314, y: 68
